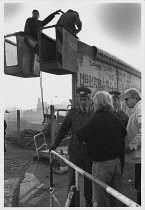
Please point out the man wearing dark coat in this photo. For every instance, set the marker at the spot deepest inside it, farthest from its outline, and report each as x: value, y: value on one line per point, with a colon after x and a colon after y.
x: 71, y: 21
x: 32, y: 23
x: 123, y: 118
x: 75, y: 119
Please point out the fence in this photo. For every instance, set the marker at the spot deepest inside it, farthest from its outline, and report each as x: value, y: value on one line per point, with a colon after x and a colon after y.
x: 75, y: 189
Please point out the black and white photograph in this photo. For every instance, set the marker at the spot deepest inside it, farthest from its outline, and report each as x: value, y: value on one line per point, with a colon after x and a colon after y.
x: 72, y: 87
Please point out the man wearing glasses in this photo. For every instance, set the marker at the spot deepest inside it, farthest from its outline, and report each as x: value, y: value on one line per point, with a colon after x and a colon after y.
x: 133, y: 140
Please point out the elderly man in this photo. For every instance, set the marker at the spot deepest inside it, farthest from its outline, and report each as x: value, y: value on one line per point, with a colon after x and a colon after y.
x: 75, y: 119
x: 133, y: 141
x: 71, y: 20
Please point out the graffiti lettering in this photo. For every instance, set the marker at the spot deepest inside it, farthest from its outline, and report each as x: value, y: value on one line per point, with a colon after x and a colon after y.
x: 95, y: 64
x: 94, y: 82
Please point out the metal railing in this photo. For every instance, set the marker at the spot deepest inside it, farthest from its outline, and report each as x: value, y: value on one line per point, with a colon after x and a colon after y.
x: 128, y: 202
x: 35, y: 142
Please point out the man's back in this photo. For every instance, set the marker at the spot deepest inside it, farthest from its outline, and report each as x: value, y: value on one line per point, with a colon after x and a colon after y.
x: 70, y: 20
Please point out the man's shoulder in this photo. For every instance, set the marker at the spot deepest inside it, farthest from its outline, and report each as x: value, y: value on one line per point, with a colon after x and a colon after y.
x: 30, y: 19
x: 139, y: 104
x: 123, y: 114
x: 72, y: 110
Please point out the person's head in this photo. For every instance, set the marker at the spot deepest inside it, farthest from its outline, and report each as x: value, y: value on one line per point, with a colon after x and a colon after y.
x: 35, y: 14
x: 70, y: 10
x: 131, y: 97
x: 115, y: 97
x: 84, y: 99
x: 103, y: 102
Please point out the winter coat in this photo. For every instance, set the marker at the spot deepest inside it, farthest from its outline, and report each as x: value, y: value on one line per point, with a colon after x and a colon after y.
x: 133, y: 139
x: 74, y: 120
x: 102, y: 136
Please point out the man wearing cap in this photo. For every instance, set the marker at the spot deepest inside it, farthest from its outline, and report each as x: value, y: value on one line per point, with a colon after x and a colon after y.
x: 75, y: 119
x: 123, y: 118
x: 32, y: 23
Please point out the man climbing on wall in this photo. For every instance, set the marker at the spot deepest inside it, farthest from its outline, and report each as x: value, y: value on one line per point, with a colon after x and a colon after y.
x: 31, y: 29
x: 71, y: 20
x: 32, y: 23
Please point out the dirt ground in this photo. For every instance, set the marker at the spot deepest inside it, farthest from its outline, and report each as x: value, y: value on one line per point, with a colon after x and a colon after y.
x: 35, y: 183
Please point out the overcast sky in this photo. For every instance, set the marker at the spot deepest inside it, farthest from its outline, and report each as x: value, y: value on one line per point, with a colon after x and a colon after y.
x: 114, y: 27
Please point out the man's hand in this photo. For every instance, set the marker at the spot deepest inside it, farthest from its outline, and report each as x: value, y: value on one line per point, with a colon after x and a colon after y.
x: 53, y: 147
x: 77, y: 31
x: 127, y: 150
x: 58, y: 12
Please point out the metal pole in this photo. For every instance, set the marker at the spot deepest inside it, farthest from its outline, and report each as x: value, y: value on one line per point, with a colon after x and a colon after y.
x: 108, y: 189
x: 77, y: 191
x: 51, y: 181
x: 18, y: 126
x: 52, y: 124
x: 74, y: 86
x: 12, y: 34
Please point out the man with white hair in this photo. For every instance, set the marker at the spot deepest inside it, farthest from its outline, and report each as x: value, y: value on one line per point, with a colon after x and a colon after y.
x: 133, y: 140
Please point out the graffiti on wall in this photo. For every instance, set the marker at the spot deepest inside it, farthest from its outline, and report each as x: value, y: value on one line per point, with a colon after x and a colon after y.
x: 126, y: 81
x: 98, y: 76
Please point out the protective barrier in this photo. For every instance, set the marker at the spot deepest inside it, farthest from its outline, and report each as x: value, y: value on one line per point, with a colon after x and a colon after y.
x: 20, y: 58
x: 58, y: 56
x: 36, y: 137
x: 128, y: 202
x: 25, y: 57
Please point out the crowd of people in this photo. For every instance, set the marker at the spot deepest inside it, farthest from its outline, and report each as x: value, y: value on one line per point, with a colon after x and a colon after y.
x: 103, y: 139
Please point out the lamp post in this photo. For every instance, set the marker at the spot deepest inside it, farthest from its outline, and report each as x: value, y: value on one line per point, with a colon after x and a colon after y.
x: 53, y: 97
x: 7, y: 112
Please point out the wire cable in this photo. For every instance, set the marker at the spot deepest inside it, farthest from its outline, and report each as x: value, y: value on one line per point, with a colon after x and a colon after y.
x: 42, y: 95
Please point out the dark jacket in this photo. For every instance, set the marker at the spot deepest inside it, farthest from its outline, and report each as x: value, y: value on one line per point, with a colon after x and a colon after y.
x: 123, y: 117
x: 69, y: 19
x: 31, y: 26
x: 74, y: 120
x: 103, y: 136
